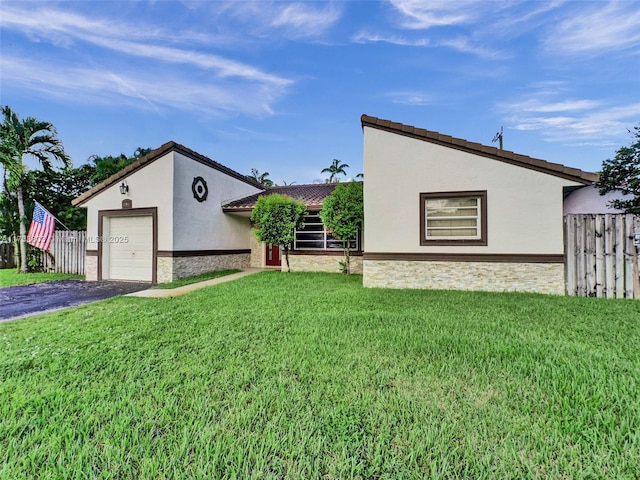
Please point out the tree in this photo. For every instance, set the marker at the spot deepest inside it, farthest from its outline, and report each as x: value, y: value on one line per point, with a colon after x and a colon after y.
x: 342, y: 214
x: 261, y: 178
x: 104, y: 167
x: 275, y: 218
x: 623, y: 174
x: 335, y: 169
x: 19, y: 140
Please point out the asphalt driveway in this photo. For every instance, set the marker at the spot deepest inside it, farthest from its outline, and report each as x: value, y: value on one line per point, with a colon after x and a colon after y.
x: 24, y: 300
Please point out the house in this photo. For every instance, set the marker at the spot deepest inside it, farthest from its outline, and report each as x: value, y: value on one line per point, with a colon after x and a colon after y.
x: 160, y: 219
x: 176, y: 213
x: 587, y: 200
x: 440, y: 212
x: 314, y: 249
x: 445, y: 213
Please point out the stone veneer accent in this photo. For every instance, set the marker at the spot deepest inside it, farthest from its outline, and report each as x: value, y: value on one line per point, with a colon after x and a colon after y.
x: 321, y: 263
x: 257, y: 251
x: 487, y: 276
x: 91, y: 268
x: 173, y: 268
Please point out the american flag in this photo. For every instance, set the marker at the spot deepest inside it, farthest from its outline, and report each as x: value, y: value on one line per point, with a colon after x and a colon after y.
x: 42, y: 228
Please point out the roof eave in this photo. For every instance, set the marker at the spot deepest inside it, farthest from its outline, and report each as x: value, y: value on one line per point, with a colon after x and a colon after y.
x: 554, y: 169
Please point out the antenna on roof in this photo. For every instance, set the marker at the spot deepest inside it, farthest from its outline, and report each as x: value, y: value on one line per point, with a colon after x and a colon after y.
x: 498, y: 137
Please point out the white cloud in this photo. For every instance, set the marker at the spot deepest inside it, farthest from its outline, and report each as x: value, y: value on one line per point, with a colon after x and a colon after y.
x: 206, y: 82
x: 302, y: 19
x: 365, y: 37
x: 421, y: 15
x: 152, y: 89
x: 571, y: 121
x: 596, y: 28
x: 69, y: 28
x: 411, y: 98
x: 274, y: 19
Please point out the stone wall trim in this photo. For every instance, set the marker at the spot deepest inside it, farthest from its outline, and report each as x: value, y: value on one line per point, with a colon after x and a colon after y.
x: 479, y: 276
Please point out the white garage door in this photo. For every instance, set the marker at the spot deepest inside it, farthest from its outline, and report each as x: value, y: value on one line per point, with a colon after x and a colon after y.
x: 129, y: 252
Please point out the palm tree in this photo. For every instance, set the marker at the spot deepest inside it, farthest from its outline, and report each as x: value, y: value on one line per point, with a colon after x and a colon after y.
x: 262, y: 178
x: 20, y: 139
x: 336, y: 168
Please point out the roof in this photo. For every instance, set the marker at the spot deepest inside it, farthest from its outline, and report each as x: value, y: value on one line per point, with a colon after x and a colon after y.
x: 151, y: 157
x: 313, y: 195
x: 506, y: 156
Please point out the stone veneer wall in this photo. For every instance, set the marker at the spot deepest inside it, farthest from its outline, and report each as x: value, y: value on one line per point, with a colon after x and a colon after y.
x: 321, y: 263
x: 172, y: 268
x: 487, y: 276
x: 91, y: 268
x: 257, y: 252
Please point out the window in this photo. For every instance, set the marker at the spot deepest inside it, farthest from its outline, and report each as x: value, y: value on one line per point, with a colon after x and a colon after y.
x: 453, y: 218
x: 313, y: 236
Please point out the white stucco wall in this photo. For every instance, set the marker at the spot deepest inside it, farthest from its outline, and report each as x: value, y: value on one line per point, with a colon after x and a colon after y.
x: 588, y: 200
x: 524, y: 207
x: 203, y: 225
x: 150, y: 186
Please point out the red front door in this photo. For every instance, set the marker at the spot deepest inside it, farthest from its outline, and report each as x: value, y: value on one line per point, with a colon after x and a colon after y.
x: 273, y: 256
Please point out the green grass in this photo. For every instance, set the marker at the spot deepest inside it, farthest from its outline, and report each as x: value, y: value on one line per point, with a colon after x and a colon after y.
x: 10, y: 277
x: 197, y: 278
x: 311, y: 376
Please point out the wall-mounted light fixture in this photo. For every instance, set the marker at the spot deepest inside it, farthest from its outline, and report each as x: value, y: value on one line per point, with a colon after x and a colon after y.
x: 124, y: 188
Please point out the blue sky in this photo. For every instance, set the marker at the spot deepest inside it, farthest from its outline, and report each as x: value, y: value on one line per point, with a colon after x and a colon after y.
x: 281, y: 86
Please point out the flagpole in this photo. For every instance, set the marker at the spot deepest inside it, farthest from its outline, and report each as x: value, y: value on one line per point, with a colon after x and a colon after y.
x: 54, y: 217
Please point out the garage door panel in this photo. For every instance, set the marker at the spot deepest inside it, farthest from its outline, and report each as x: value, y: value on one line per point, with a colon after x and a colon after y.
x: 130, y: 251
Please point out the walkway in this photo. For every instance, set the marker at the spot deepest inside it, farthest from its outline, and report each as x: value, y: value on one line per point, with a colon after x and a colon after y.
x: 174, y: 292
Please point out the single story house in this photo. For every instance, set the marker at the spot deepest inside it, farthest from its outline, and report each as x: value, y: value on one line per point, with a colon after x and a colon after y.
x: 175, y: 213
x: 440, y: 212
x: 444, y: 213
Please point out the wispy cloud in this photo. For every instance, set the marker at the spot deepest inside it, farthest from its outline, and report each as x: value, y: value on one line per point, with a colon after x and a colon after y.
x: 571, y: 121
x: 276, y: 19
x: 207, y: 81
x: 367, y: 37
x: 596, y: 28
x: 137, y: 88
x: 411, y: 98
x: 420, y: 15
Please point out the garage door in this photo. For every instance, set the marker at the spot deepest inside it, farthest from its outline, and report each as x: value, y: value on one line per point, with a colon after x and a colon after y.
x: 129, y: 252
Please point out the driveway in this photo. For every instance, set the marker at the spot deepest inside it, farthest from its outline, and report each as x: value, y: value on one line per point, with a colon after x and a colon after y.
x: 25, y: 300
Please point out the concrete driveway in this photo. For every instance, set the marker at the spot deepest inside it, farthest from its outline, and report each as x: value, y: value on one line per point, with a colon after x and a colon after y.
x: 25, y: 300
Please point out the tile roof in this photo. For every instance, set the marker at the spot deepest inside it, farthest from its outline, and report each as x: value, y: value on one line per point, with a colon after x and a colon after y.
x: 507, y: 156
x: 154, y: 155
x: 313, y: 196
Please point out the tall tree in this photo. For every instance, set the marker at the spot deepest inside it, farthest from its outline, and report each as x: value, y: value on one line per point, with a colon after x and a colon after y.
x: 19, y: 140
x: 104, y: 167
x: 261, y: 178
x: 336, y: 168
x: 275, y: 218
x: 623, y: 173
x: 342, y: 214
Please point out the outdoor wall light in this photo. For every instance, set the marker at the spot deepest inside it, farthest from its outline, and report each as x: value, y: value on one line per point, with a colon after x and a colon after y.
x: 124, y: 188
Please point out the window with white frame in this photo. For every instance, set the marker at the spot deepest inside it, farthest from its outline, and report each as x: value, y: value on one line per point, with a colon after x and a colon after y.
x: 449, y: 218
x: 313, y: 236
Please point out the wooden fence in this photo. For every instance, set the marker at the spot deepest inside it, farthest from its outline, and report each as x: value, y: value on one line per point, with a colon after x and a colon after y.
x: 67, y: 252
x: 601, y: 255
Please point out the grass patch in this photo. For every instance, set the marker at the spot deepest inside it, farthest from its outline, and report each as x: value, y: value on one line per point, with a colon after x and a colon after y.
x: 197, y: 278
x: 311, y: 376
x: 10, y: 277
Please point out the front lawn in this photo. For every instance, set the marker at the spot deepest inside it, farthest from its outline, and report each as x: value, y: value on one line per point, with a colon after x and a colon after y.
x: 295, y: 376
x: 10, y: 277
